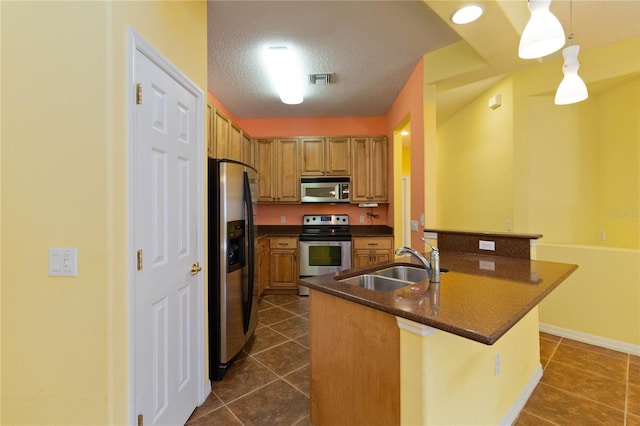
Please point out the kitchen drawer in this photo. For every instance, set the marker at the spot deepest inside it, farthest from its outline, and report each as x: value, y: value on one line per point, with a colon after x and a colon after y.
x: 373, y: 243
x: 283, y: 243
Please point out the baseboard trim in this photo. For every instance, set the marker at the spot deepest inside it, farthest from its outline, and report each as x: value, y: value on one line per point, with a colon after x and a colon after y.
x: 591, y: 339
x: 522, y: 399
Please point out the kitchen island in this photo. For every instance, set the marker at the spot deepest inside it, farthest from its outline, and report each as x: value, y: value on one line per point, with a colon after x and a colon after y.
x: 464, y: 351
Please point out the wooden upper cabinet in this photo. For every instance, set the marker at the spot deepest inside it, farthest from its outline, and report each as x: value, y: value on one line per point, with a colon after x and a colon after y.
x: 211, y: 137
x: 221, y: 124
x: 325, y: 156
x: 338, y: 156
x: 278, y: 173
x: 234, y: 148
x: 369, y: 169
x: 287, y: 173
x: 248, y: 150
x: 312, y: 157
x: 378, y: 169
x: 266, y: 165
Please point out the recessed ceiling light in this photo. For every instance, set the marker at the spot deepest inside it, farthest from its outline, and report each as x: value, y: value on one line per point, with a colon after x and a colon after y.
x: 467, y: 14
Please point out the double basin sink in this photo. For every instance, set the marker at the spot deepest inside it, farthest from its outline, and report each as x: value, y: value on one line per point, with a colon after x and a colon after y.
x: 389, y: 279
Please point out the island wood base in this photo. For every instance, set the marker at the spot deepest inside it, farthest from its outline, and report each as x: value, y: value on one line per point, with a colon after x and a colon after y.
x: 355, y: 363
x: 367, y: 371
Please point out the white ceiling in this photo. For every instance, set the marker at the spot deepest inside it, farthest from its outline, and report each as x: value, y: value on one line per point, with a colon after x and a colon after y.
x: 371, y: 47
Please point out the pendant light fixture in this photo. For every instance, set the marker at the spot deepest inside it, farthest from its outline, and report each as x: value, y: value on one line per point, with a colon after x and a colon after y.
x: 543, y: 34
x: 572, y: 89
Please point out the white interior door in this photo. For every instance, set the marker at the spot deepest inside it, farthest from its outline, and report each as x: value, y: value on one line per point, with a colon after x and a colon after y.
x: 166, y: 227
x: 406, y: 211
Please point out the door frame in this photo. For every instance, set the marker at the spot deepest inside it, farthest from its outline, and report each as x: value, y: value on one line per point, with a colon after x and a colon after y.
x: 136, y: 43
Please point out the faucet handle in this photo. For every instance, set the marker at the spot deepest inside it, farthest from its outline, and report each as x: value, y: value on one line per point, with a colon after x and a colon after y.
x: 424, y: 240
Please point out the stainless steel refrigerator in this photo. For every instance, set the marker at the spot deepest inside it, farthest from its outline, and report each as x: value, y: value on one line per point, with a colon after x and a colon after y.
x: 233, y: 294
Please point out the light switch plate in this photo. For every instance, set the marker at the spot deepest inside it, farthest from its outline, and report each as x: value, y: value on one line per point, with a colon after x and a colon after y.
x: 414, y: 226
x: 63, y: 262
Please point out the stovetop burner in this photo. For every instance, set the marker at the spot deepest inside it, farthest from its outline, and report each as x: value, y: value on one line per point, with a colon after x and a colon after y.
x: 325, y: 227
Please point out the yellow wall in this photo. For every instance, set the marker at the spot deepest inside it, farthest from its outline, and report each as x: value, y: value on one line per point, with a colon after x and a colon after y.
x: 64, y: 143
x: 455, y: 369
x: 475, y: 166
x: 602, y: 298
x: 567, y: 172
x: 406, y: 161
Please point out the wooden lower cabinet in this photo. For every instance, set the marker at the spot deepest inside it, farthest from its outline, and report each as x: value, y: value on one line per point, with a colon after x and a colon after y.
x: 262, y: 265
x: 370, y: 250
x: 355, y: 363
x: 283, y: 265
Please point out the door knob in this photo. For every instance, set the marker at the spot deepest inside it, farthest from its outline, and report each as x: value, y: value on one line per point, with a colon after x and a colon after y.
x: 195, y: 268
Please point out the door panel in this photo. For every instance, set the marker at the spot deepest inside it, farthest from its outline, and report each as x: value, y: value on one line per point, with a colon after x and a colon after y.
x: 166, y: 231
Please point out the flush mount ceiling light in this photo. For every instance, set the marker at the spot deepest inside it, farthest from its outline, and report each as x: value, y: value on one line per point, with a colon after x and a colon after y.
x: 543, y: 34
x: 467, y: 14
x: 285, y: 73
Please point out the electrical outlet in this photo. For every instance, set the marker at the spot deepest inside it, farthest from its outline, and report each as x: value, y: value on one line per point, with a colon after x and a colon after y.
x: 496, y: 364
x: 283, y: 219
x: 361, y: 218
x: 487, y: 245
x: 509, y: 225
x: 414, y: 226
x: 603, y: 235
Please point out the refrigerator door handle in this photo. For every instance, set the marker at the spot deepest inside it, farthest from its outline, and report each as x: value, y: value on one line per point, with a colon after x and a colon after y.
x: 247, y: 302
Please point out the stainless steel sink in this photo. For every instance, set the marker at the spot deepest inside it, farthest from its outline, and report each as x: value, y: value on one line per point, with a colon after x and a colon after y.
x: 405, y: 273
x: 391, y: 278
x: 376, y: 282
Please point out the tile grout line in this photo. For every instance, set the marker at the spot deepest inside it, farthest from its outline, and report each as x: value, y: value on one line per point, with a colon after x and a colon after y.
x: 583, y: 397
x: 540, y: 417
x: 278, y: 376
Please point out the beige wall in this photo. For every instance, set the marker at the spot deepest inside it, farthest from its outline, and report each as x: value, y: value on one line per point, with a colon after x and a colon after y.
x: 65, y: 346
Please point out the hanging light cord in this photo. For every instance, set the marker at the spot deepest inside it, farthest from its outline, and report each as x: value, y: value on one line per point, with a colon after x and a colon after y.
x: 570, y: 22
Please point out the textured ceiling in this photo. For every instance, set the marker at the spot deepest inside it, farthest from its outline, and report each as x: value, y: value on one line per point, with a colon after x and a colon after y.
x: 371, y: 47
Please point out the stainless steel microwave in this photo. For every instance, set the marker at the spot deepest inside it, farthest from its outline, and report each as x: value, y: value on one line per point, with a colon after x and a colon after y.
x: 325, y: 189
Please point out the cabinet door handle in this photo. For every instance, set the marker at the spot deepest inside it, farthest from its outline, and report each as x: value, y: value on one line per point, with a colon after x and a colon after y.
x: 372, y: 244
x: 283, y: 244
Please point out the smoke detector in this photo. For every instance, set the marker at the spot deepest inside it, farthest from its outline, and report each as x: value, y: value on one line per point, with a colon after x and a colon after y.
x: 320, y: 79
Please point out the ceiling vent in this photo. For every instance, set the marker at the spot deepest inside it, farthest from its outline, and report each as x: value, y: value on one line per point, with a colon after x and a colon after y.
x: 320, y: 79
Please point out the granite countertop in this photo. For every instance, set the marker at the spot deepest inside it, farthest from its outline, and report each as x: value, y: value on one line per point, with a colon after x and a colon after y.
x: 480, y: 298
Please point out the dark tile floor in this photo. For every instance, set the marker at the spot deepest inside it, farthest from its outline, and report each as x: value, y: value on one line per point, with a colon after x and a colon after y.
x: 269, y: 382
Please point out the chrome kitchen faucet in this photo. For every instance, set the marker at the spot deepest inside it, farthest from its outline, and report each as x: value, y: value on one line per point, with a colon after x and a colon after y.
x: 432, y: 265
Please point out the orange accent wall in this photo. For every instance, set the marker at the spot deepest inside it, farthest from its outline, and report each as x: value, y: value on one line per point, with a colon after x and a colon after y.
x: 410, y: 102
x: 320, y: 126
x: 270, y: 214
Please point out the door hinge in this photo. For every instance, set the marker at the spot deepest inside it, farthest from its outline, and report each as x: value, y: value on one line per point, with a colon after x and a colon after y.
x: 139, y: 94
x: 139, y: 260
x: 140, y: 420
